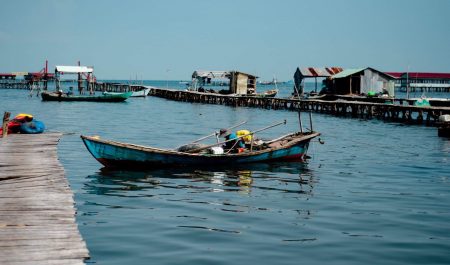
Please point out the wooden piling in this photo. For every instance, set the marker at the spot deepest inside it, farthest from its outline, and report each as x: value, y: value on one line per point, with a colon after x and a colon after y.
x: 37, y: 214
x: 6, y: 116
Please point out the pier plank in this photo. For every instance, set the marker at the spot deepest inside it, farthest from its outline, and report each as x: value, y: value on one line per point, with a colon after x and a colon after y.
x: 37, y: 214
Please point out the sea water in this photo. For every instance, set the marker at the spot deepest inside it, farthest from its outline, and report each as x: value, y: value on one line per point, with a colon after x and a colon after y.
x: 373, y: 193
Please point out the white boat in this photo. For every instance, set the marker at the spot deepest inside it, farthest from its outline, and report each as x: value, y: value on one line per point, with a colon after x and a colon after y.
x: 142, y: 92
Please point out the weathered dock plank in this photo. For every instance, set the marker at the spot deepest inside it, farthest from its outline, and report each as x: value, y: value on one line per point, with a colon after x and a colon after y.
x: 37, y: 214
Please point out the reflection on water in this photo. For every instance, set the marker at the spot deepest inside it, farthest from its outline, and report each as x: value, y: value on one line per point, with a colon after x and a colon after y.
x: 279, y: 177
x: 202, y: 207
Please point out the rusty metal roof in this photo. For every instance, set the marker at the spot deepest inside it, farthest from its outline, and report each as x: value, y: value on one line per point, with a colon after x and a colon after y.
x: 319, y: 71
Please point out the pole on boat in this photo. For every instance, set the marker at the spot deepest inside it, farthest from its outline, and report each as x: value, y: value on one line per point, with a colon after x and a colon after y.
x: 300, y: 120
x: 239, y: 137
x: 216, y: 133
x: 5, y: 123
x: 265, y: 128
x: 299, y: 109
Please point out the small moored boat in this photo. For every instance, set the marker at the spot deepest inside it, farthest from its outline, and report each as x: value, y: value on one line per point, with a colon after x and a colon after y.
x: 105, y: 97
x: 269, y: 93
x: 266, y: 94
x: 438, y: 102
x: 142, y: 92
x: 290, y: 147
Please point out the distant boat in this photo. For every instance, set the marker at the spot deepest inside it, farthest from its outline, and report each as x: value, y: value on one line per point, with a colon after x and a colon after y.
x: 273, y: 82
x: 433, y: 102
x: 124, y: 155
x: 439, y: 102
x: 142, y: 92
x: 361, y: 98
x: 269, y: 93
x: 419, y: 102
x: 105, y: 97
x: 266, y: 94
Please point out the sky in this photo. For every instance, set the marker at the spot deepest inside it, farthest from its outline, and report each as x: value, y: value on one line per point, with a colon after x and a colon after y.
x: 170, y: 39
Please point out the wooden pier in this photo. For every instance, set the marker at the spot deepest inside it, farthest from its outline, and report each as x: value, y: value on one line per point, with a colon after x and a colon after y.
x: 14, y: 84
x: 344, y: 108
x: 37, y: 214
x: 43, y: 86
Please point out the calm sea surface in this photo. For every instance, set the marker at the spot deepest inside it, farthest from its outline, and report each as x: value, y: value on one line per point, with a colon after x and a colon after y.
x: 374, y: 193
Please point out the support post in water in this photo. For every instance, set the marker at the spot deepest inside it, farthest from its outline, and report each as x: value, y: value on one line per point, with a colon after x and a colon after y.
x: 299, y: 107
x: 5, y: 123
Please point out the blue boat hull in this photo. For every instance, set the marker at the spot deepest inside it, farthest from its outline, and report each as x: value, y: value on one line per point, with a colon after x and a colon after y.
x: 107, y: 97
x: 116, y: 154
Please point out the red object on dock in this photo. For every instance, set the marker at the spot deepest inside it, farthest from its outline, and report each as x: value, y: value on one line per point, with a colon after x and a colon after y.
x: 7, y: 76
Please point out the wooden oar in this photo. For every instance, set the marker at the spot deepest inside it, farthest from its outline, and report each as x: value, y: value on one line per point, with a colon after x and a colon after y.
x: 239, y: 137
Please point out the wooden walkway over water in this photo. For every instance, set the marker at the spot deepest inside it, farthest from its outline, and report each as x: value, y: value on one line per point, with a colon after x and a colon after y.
x: 344, y: 108
x: 37, y: 214
x: 41, y: 86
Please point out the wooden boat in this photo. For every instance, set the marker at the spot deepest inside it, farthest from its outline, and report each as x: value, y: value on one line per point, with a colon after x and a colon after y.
x: 141, y: 93
x: 365, y: 98
x: 266, y: 94
x: 105, y: 97
x: 124, y: 155
x: 269, y: 93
